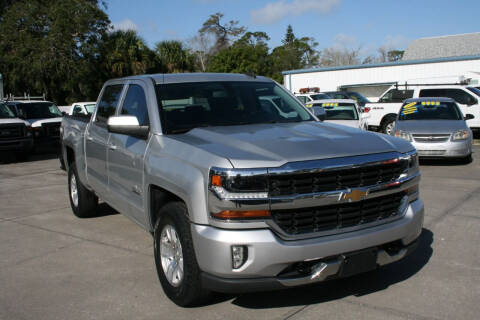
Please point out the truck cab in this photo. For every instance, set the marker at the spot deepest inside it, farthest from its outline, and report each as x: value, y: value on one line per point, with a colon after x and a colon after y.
x: 15, y: 133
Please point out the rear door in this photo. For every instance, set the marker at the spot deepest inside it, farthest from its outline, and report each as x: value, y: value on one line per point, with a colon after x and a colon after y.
x: 96, y: 138
x: 126, y: 157
x: 465, y: 100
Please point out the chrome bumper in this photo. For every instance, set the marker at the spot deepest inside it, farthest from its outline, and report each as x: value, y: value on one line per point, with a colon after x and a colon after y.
x: 452, y: 149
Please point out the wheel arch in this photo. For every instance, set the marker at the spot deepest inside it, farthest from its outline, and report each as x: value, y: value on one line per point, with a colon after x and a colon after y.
x: 159, y: 197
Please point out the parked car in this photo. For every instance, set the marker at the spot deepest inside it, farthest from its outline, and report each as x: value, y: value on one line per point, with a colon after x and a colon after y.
x: 436, y: 127
x: 360, y: 99
x: 15, y: 133
x: 384, y: 112
x: 81, y: 109
x: 239, y: 198
x: 342, y: 111
x: 44, y: 118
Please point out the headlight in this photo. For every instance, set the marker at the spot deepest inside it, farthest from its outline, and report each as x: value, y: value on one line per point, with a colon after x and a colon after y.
x: 403, y: 134
x: 238, y: 194
x: 460, y: 135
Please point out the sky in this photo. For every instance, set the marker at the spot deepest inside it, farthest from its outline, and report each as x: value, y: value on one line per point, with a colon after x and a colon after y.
x: 365, y: 24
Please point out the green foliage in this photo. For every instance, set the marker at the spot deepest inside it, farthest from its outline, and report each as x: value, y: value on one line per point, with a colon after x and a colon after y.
x: 395, y: 55
x: 173, y: 57
x: 224, y: 33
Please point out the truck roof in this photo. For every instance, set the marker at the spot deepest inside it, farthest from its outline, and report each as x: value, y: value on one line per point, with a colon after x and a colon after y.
x: 442, y: 99
x: 160, y: 78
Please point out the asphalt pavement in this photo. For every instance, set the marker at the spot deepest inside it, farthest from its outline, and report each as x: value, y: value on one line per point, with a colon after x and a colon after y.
x: 55, y: 266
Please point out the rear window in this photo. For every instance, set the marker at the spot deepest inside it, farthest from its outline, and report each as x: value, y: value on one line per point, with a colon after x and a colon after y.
x: 339, y: 111
x: 430, y: 110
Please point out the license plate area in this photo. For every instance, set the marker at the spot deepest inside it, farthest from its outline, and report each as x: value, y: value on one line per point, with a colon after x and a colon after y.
x: 358, y: 262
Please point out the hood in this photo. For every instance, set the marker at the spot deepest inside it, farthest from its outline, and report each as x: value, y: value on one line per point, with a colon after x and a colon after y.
x: 39, y: 122
x: 272, y: 145
x: 13, y: 121
x: 431, y: 126
x: 348, y: 123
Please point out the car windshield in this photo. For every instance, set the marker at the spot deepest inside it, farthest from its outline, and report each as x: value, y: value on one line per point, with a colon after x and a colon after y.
x: 90, y: 108
x: 320, y: 96
x: 339, y: 111
x: 5, y: 112
x: 185, y: 106
x: 474, y: 90
x: 430, y: 110
x: 39, y: 110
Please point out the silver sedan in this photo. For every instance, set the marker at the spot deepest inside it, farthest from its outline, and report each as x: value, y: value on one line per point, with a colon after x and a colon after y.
x: 436, y: 127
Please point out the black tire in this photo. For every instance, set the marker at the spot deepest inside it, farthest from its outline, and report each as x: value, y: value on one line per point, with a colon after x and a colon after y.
x: 189, y: 291
x: 386, y: 123
x: 22, y: 156
x: 87, y: 201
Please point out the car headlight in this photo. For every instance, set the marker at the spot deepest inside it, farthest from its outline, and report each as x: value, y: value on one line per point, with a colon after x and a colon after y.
x: 403, y: 134
x: 460, y: 135
x: 242, y: 193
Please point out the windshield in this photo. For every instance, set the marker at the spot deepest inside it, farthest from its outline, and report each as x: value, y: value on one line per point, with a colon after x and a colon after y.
x: 358, y: 97
x: 430, y: 110
x: 339, y: 111
x: 90, y: 108
x: 474, y: 90
x: 5, y: 112
x: 185, y: 106
x: 320, y: 96
x: 39, y: 110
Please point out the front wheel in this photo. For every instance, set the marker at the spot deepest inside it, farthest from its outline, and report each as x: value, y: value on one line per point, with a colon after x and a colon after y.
x: 83, y: 201
x: 175, y: 258
x: 388, y: 125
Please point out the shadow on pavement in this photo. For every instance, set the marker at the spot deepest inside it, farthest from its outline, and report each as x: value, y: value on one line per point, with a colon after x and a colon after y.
x: 358, y: 285
x: 445, y: 162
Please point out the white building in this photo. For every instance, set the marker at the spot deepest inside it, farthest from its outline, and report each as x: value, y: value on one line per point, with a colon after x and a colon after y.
x: 448, y: 59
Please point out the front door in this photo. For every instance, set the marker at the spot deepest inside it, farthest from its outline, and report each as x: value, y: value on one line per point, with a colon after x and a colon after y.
x: 126, y: 158
x: 96, y: 139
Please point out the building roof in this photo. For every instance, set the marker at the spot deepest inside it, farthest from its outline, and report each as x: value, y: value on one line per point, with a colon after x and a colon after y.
x: 444, y: 46
x: 385, y: 64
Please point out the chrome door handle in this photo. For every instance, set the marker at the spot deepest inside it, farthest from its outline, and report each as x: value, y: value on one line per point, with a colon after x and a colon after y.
x: 89, y: 138
x: 112, y: 147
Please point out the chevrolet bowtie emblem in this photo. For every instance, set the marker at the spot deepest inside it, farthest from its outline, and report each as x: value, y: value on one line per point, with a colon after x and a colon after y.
x: 354, y: 195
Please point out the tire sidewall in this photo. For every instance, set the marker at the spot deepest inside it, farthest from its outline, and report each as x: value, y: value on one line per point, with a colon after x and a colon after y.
x: 174, y: 214
x: 72, y: 171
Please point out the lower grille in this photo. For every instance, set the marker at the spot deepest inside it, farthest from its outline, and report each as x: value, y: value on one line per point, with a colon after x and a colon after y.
x: 51, y: 129
x: 12, y: 131
x: 338, y: 216
x: 431, y: 138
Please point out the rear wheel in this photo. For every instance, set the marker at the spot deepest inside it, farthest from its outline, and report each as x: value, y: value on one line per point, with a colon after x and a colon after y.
x: 175, y: 258
x: 83, y: 202
x: 387, y: 125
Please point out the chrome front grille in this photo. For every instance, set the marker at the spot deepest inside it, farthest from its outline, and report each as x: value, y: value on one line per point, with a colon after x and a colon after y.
x: 431, y: 138
x: 294, y: 183
x: 338, y: 216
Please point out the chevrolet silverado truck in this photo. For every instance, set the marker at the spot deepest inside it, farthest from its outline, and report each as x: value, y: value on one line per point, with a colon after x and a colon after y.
x: 238, y: 196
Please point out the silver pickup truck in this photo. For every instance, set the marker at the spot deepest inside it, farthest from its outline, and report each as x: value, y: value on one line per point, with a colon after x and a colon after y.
x: 238, y: 194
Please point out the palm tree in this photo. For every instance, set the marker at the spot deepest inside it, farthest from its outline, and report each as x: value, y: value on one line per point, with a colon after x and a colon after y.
x: 174, y: 57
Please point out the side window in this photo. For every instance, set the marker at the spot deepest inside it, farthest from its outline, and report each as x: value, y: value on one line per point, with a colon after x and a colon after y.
x: 135, y: 104
x: 432, y: 93
x: 108, y: 103
x: 395, y: 95
x: 460, y: 96
x: 303, y: 99
x: 77, y: 110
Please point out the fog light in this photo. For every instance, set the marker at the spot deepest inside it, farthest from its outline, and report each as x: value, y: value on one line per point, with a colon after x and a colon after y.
x: 239, y: 256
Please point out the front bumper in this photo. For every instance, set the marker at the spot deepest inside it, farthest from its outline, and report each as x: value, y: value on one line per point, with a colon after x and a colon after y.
x: 269, y: 256
x: 448, y: 149
x: 17, y: 145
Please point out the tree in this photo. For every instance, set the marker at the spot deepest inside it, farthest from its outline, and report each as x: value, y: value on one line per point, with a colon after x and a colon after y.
x: 295, y: 53
x: 248, y: 54
x: 174, y: 57
x: 224, y: 33
x: 395, y: 55
x: 331, y: 57
x: 125, y: 53
x: 51, y: 46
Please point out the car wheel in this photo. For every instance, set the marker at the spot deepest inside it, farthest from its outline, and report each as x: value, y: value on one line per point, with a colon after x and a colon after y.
x: 388, y: 125
x: 83, y: 201
x: 175, y: 258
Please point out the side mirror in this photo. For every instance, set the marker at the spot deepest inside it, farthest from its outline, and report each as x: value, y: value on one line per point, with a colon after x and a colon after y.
x: 320, y: 113
x: 472, y: 101
x: 469, y: 116
x: 127, y: 125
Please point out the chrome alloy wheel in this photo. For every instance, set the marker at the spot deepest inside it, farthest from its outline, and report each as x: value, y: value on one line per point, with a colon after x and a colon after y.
x: 389, y: 128
x: 171, y: 255
x: 74, y: 190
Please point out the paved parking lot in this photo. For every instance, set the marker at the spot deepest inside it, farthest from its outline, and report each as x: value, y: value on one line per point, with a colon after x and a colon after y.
x: 55, y: 266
